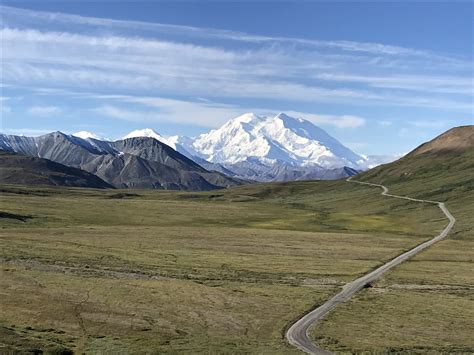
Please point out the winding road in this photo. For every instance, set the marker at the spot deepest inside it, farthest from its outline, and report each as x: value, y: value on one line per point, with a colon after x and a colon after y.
x: 297, y: 335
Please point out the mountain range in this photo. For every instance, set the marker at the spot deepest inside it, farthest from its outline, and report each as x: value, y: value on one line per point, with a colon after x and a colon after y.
x: 270, y: 148
x: 248, y: 147
x: 139, y: 162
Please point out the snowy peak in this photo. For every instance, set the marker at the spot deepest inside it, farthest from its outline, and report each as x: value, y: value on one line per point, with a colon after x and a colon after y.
x: 264, y: 139
x: 288, y: 120
x: 86, y: 135
x: 150, y: 133
x: 240, y: 125
x: 146, y: 132
x: 233, y: 142
x: 281, y: 138
x: 246, y: 118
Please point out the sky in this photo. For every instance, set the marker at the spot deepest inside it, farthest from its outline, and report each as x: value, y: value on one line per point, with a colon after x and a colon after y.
x: 382, y: 77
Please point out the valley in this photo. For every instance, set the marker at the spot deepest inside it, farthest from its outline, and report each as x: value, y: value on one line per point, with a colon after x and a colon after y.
x: 236, y: 177
x: 168, y: 257
x: 181, y: 271
x: 230, y: 270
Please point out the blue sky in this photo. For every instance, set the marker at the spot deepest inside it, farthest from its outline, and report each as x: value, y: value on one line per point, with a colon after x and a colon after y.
x: 380, y: 76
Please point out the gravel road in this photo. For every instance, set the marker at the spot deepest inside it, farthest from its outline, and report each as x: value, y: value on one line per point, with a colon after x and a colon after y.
x: 297, y: 334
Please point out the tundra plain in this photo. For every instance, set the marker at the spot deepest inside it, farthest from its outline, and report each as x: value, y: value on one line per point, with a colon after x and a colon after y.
x: 88, y: 270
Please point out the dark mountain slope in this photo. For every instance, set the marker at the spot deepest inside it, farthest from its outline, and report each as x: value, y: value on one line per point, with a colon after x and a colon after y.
x: 153, y: 150
x: 131, y: 171
x: 131, y: 163
x: 20, y: 169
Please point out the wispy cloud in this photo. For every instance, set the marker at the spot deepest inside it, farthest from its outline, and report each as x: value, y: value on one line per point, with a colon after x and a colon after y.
x: 16, y: 15
x: 136, y: 57
x: 438, y: 84
x: 430, y: 123
x: 5, y: 109
x: 357, y: 145
x: 342, y: 121
x: 29, y: 132
x: 153, y: 73
x: 206, y: 114
x: 44, y: 111
x: 385, y: 123
x: 162, y: 110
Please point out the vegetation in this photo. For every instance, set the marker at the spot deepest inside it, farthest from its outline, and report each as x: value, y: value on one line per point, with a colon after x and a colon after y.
x: 227, y: 271
x: 426, y: 304
x: 222, y: 271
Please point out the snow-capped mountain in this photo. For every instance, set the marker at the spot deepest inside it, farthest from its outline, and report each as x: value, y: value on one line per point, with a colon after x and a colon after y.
x: 270, y: 140
x: 181, y: 144
x: 138, y: 162
x: 86, y: 135
x: 261, y: 148
x: 267, y: 148
x: 150, y: 133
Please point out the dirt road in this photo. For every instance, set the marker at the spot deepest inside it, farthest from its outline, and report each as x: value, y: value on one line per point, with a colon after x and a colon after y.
x: 297, y: 334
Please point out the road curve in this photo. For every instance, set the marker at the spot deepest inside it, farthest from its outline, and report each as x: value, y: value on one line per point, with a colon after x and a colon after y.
x: 297, y: 335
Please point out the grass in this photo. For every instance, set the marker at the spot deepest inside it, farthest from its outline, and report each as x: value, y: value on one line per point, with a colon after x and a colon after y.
x: 123, y: 313
x: 426, y: 304
x: 401, y: 319
x: 227, y: 271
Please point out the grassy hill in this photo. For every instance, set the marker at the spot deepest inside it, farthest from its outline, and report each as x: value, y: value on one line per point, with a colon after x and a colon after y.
x: 442, y: 168
x: 426, y: 304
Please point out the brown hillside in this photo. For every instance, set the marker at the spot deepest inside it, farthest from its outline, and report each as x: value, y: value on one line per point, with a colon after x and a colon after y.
x: 457, y: 139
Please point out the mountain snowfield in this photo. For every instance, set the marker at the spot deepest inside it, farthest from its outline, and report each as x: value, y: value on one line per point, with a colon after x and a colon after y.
x: 87, y: 135
x: 261, y: 148
x: 178, y: 143
x: 268, y: 141
x: 150, y: 133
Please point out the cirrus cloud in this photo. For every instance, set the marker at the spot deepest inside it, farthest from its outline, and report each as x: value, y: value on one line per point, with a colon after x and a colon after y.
x: 44, y: 111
